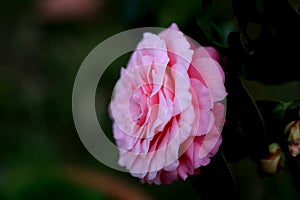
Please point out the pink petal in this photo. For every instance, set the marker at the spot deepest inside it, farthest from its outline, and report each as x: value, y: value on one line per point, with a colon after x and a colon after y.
x: 207, y: 52
x: 203, y: 104
x: 178, y: 47
x: 212, y: 138
x: 210, y: 72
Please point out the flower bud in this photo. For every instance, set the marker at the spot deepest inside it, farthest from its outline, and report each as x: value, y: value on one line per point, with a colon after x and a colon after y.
x: 274, y: 162
x: 293, y: 129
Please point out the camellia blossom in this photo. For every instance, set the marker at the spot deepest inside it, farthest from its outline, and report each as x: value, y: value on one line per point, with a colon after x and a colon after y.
x: 293, y: 129
x: 166, y: 110
x: 274, y: 162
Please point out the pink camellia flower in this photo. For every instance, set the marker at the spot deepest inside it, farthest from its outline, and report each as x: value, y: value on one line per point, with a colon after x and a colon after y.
x: 166, y: 107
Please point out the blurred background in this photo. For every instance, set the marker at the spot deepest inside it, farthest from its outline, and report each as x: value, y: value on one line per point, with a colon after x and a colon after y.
x: 42, y: 45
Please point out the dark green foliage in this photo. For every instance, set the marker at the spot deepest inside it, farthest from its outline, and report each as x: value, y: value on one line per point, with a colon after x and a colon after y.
x: 215, y: 180
x: 244, y: 131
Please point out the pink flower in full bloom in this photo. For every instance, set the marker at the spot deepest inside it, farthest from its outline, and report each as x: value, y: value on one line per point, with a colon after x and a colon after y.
x: 166, y: 110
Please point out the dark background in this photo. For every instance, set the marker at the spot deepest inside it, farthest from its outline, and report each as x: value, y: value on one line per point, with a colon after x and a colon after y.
x: 42, y: 45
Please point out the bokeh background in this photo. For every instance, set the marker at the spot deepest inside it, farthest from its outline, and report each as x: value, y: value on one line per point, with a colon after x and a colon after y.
x: 42, y: 45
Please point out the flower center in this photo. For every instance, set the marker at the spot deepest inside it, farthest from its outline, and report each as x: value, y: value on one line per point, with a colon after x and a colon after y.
x: 148, y: 103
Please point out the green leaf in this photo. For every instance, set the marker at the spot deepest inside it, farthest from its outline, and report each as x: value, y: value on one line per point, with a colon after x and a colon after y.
x: 294, y: 169
x: 296, y: 5
x: 210, y: 31
x: 244, y: 133
x: 273, y: 113
x: 215, y: 180
x: 292, y: 112
x: 268, y: 38
x: 215, y: 22
x: 180, y: 12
